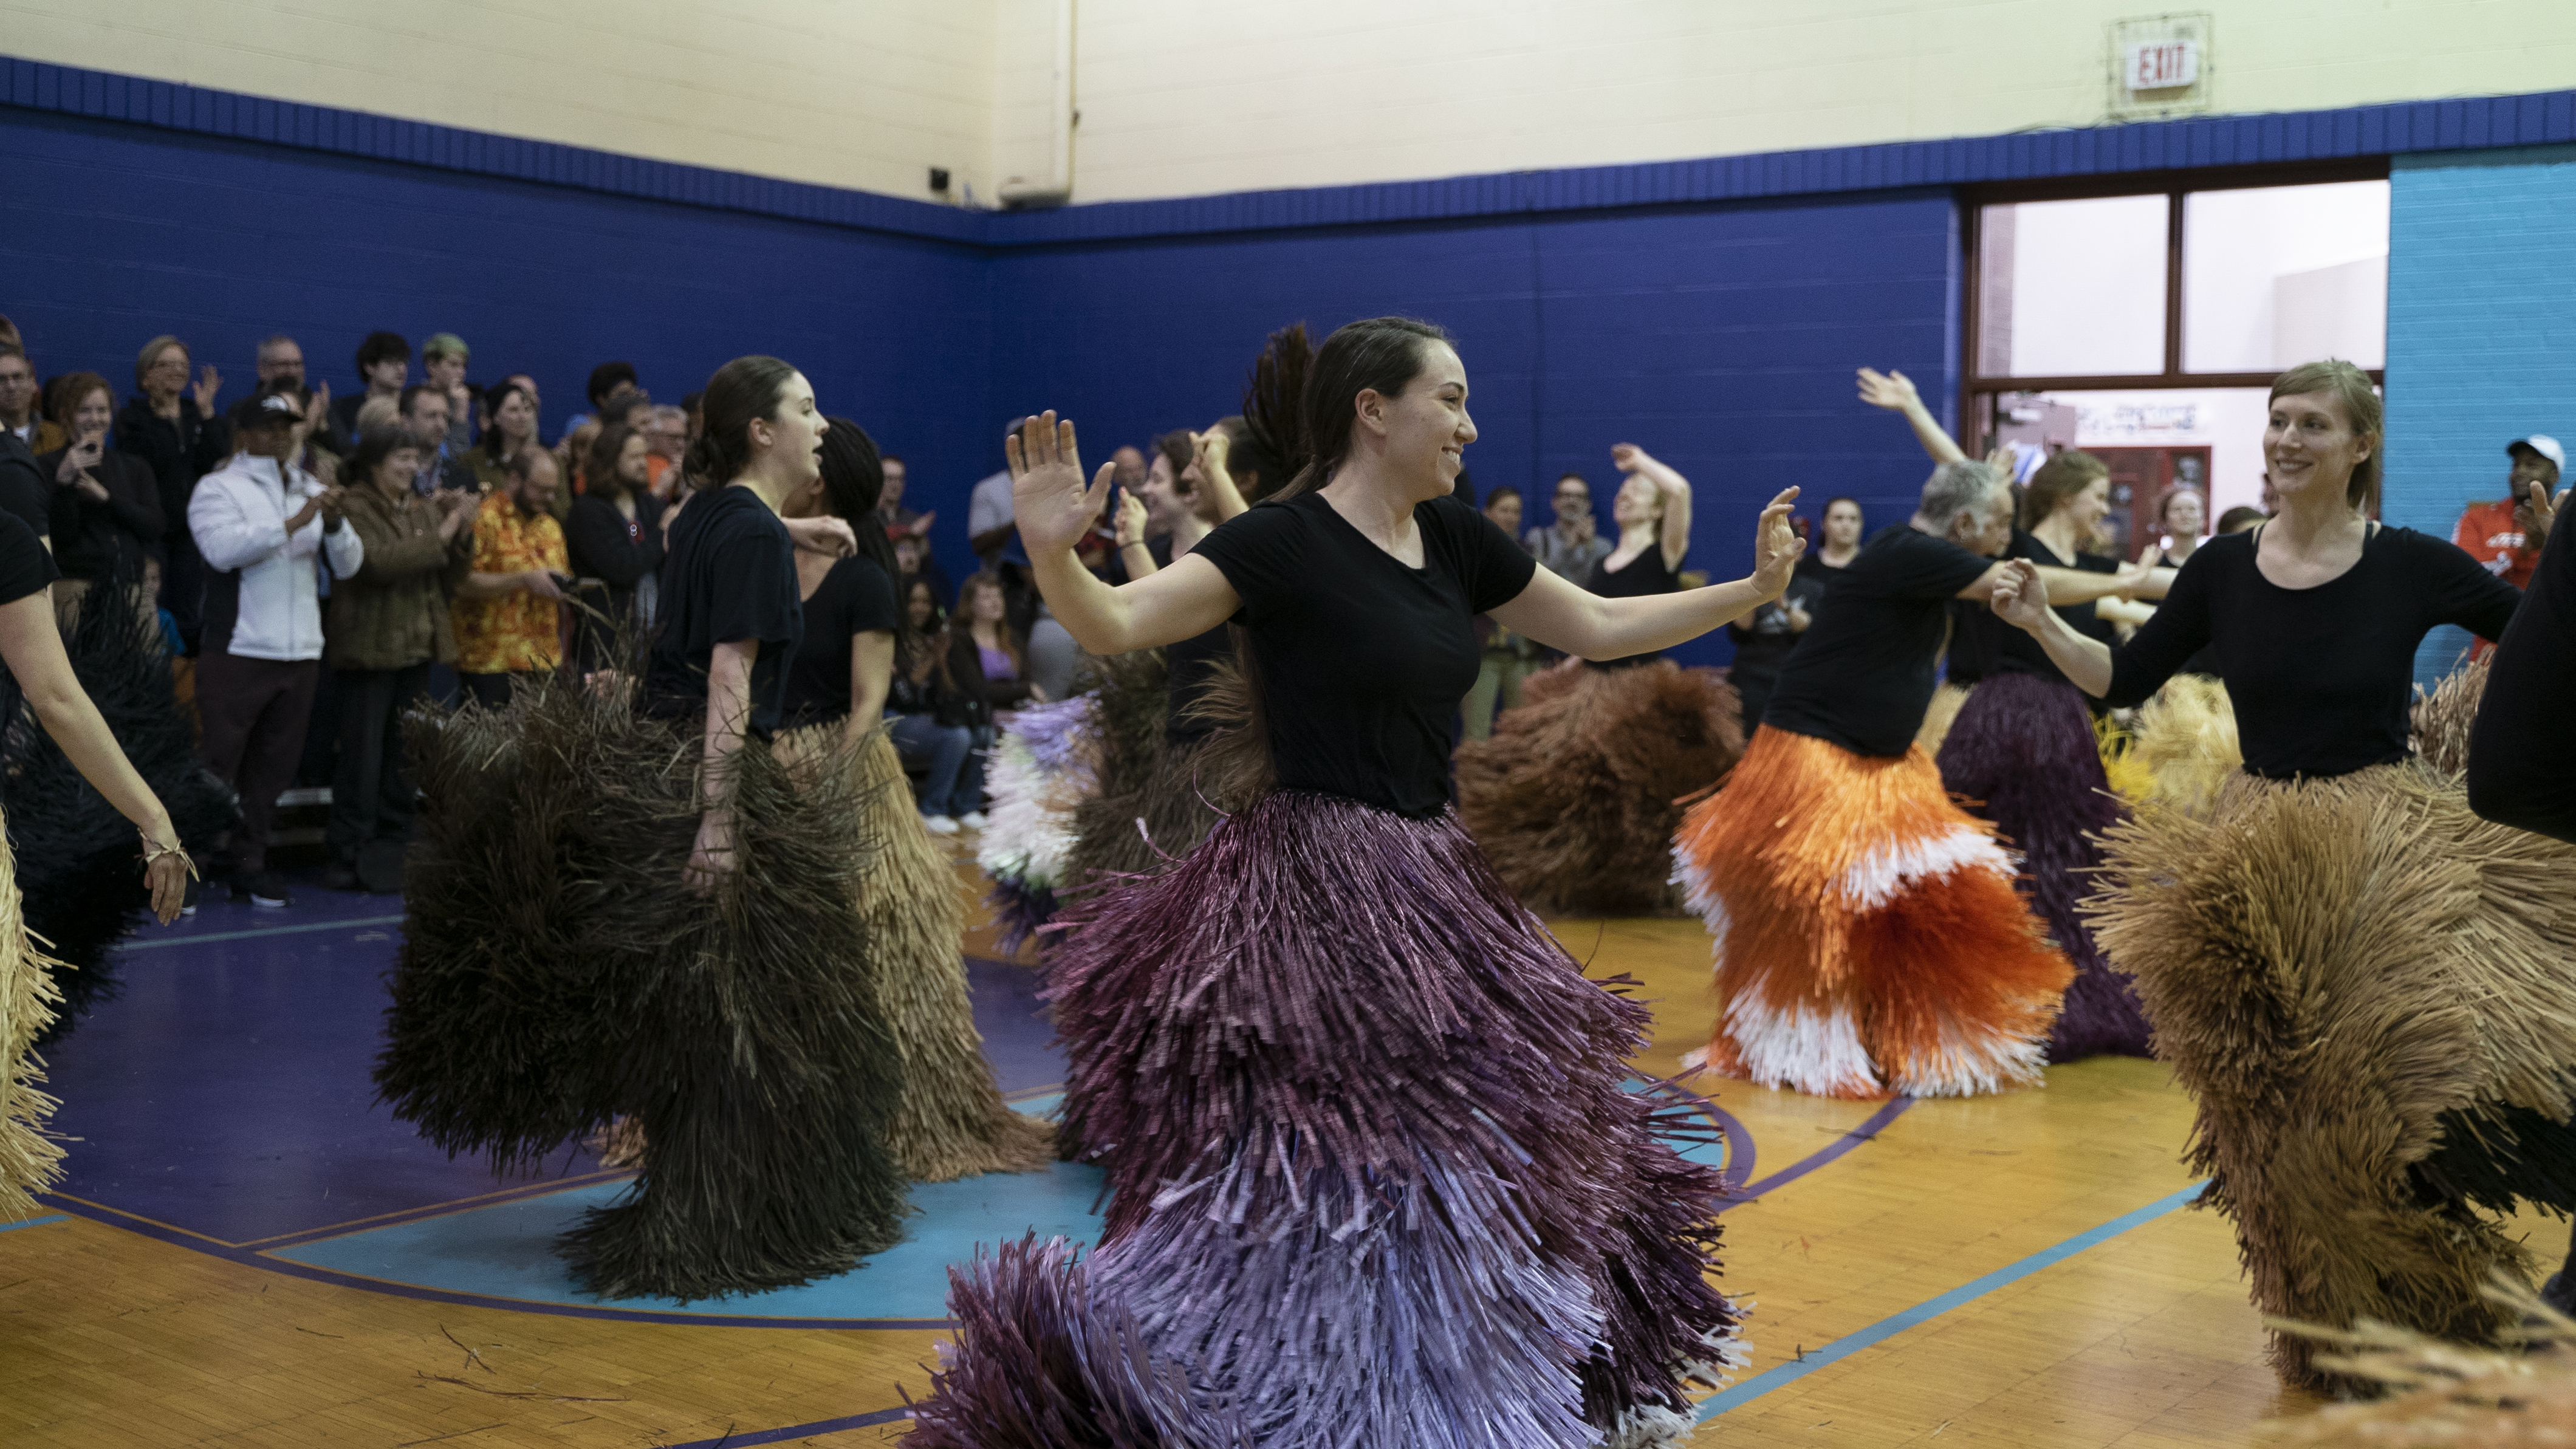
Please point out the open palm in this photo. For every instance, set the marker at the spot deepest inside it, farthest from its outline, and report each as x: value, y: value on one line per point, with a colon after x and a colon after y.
x: 1048, y: 500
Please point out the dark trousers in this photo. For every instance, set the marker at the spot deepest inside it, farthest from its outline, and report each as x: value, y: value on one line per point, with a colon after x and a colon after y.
x: 371, y: 793
x: 254, y: 712
x: 491, y: 690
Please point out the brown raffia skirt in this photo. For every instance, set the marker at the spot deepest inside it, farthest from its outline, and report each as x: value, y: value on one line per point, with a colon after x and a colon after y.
x: 2367, y: 990
x: 953, y: 1122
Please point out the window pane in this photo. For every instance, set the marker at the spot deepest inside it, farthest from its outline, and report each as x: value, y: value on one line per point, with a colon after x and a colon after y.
x: 2072, y: 288
x: 2280, y: 275
x: 2209, y: 438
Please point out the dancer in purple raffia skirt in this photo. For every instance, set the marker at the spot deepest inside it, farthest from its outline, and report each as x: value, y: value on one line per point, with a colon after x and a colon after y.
x: 1373, y: 1178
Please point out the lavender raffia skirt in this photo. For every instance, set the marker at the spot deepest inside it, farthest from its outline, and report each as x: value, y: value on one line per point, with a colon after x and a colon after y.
x: 1374, y: 1179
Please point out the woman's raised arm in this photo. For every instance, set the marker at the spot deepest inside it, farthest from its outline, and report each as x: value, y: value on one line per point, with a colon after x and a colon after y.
x: 1055, y: 510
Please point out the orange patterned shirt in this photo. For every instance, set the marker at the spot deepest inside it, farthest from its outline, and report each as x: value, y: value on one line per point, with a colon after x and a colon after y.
x: 518, y: 630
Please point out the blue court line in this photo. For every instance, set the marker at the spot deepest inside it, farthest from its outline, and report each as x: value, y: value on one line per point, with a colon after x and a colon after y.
x: 347, y: 925
x: 1886, y: 1328
x: 36, y: 1222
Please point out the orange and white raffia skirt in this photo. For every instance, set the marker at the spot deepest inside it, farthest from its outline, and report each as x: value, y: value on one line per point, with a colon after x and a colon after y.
x: 1869, y: 940
x: 30, y: 1160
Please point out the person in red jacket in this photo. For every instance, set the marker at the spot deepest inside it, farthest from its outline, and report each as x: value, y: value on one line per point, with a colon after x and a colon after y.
x: 2498, y: 533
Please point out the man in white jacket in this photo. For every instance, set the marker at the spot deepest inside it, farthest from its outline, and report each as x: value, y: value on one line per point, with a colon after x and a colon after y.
x: 259, y: 521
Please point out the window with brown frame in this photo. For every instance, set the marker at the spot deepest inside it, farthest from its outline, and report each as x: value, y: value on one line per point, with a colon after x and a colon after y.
x: 2144, y: 319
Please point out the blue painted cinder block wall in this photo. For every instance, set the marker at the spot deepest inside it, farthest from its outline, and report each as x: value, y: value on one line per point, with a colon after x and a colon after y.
x: 2481, y: 333
x: 112, y: 233
x: 1722, y: 339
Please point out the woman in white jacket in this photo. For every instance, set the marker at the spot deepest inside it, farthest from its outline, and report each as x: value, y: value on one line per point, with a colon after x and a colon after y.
x: 259, y: 521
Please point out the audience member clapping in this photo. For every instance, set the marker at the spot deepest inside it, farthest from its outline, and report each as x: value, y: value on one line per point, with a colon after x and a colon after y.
x: 1572, y: 544
x: 387, y: 624
x: 170, y: 424
x: 507, y: 617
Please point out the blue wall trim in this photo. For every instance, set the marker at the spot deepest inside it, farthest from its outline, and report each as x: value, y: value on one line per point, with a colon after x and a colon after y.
x: 2383, y: 130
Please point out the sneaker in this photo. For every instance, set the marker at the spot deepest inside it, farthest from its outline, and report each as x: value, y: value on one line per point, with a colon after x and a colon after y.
x: 974, y: 820
x: 267, y: 888
x: 939, y: 824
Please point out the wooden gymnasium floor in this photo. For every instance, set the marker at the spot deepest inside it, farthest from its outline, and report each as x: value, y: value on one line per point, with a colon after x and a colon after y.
x: 249, y: 1253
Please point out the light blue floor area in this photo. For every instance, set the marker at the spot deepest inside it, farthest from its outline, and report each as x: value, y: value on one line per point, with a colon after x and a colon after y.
x: 507, y: 1250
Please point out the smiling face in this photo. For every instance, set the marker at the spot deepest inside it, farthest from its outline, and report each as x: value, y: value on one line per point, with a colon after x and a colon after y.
x: 91, y: 417
x: 167, y: 377
x: 919, y: 606
x: 1425, y: 430
x: 2530, y: 465
x: 1986, y: 529
x: 2310, y: 448
x: 1573, y: 498
x: 2085, y: 507
x: 281, y: 361
x: 399, y: 467
x: 1842, y: 524
x: 1165, y: 504
x: 1505, y: 510
x: 1639, y: 504
x: 517, y: 419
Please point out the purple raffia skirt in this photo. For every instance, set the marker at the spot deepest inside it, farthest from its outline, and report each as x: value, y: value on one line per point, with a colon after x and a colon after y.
x: 2023, y: 754
x: 1374, y: 1179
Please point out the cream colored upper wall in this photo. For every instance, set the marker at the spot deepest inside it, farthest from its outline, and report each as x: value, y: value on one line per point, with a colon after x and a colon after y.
x: 866, y: 94
x: 1190, y: 97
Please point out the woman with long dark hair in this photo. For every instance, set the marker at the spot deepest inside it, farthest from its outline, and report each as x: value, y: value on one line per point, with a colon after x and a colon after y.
x: 952, y: 1122
x: 2363, y: 985
x: 613, y: 538
x: 1374, y: 1179
x: 681, y: 943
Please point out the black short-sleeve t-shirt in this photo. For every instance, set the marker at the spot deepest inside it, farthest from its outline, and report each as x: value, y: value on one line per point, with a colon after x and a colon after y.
x: 856, y: 597
x: 1864, y: 673
x: 1362, y: 659
x: 730, y: 575
x: 25, y: 567
x: 24, y: 493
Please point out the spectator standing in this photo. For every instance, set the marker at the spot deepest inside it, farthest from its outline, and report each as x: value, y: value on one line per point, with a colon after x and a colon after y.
x: 918, y: 712
x: 898, y: 519
x: 510, y: 428
x: 260, y: 521
x: 425, y: 417
x: 387, y: 624
x: 1509, y: 658
x: 1572, y: 544
x: 614, y: 539
x: 2497, y: 533
x: 384, y: 365
x: 666, y: 440
x: 985, y: 673
x: 171, y: 425
x: 507, y: 617
x: 443, y: 360
x: 1842, y: 531
x: 105, y: 511
x: 988, y: 511
x: 19, y: 412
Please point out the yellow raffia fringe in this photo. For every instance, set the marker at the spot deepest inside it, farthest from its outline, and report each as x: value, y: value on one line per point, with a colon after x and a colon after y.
x: 2130, y: 779
x: 30, y: 1161
x: 953, y: 1122
x: 2185, y: 738
x: 2444, y: 1393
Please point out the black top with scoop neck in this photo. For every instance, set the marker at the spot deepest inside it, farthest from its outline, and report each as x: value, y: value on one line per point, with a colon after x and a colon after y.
x: 2321, y: 677
x: 1864, y: 672
x: 1641, y: 577
x: 1193, y: 662
x: 856, y: 597
x: 1984, y: 644
x: 729, y: 576
x: 1362, y: 659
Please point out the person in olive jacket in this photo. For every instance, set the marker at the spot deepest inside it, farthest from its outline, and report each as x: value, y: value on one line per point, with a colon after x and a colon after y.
x: 388, y: 623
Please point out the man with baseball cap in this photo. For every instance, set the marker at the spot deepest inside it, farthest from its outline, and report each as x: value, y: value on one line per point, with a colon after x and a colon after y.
x: 260, y: 521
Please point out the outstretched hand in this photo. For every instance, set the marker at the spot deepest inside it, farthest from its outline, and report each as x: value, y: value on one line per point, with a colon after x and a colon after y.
x: 1776, y: 545
x: 1891, y: 390
x: 2021, y: 596
x: 2538, y: 512
x: 1048, y: 500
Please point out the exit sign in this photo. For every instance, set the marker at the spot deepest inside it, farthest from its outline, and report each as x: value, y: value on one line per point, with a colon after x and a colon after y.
x: 2162, y: 65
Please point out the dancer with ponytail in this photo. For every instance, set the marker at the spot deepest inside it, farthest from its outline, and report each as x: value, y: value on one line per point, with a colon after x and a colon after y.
x: 1869, y: 938
x: 1373, y: 1178
x: 41, y: 676
x: 2363, y: 985
x: 681, y: 940
x: 2021, y: 752
x: 952, y: 1122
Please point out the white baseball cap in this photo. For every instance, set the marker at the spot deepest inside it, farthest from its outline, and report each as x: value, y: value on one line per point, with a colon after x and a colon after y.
x: 2543, y: 444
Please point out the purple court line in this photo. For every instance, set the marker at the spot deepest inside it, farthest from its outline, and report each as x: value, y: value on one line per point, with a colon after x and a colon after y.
x: 428, y: 1211
x: 1876, y: 1124
x: 797, y: 1431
